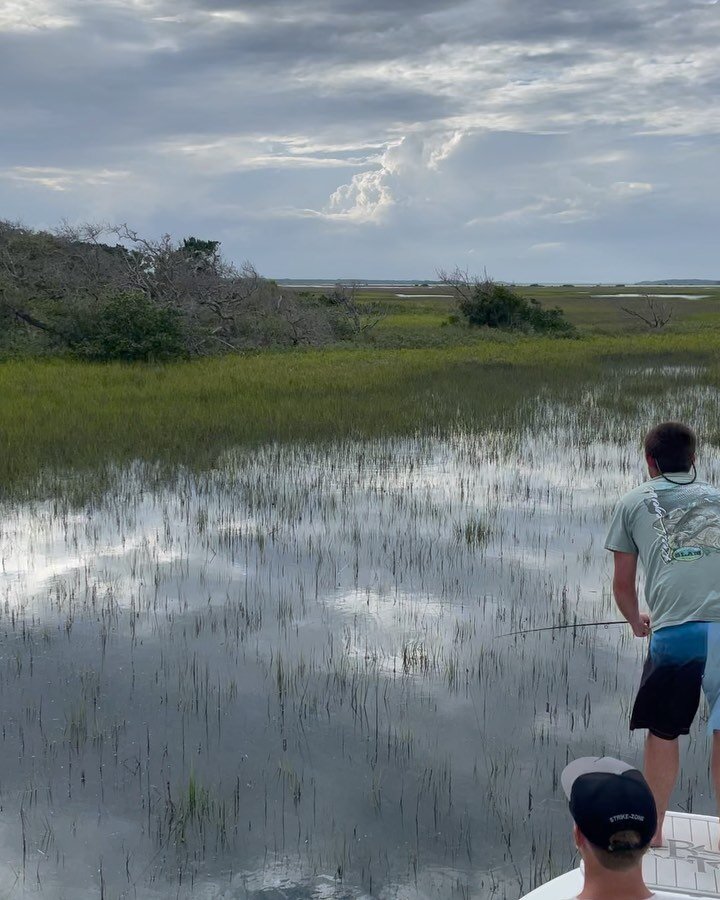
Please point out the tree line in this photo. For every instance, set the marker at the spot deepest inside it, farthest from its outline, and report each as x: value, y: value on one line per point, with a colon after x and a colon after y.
x: 107, y: 292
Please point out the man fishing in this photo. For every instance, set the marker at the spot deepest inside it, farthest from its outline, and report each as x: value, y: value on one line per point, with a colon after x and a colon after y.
x: 671, y: 523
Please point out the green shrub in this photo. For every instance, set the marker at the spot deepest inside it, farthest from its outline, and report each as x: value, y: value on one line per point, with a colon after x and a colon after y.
x: 126, y: 327
x: 498, y: 306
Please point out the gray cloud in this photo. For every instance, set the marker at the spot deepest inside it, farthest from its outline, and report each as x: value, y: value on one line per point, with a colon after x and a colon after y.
x: 356, y: 131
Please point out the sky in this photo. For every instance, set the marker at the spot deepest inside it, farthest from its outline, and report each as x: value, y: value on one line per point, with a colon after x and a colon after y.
x: 536, y: 140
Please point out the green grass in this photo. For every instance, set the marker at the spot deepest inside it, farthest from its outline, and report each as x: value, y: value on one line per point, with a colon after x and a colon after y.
x: 413, y: 320
x: 414, y: 372
x: 60, y: 416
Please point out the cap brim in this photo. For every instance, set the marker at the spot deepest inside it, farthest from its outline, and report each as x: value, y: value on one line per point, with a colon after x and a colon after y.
x: 587, y: 765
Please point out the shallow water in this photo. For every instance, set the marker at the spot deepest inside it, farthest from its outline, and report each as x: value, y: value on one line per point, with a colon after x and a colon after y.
x: 288, y: 676
x: 659, y: 296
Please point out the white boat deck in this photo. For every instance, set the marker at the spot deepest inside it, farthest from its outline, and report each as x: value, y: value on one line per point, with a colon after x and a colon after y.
x: 688, y: 862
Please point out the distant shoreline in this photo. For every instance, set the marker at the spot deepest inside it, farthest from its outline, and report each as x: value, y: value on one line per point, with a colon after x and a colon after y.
x: 415, y: 283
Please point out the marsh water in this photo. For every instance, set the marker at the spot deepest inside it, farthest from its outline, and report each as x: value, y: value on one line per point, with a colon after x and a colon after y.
x: 291, y: 676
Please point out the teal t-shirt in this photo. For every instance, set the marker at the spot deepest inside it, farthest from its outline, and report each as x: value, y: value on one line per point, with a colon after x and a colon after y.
x: 675, y: 531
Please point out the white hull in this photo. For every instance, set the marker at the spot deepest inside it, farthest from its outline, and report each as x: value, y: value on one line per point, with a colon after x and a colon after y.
x: 688, y: 862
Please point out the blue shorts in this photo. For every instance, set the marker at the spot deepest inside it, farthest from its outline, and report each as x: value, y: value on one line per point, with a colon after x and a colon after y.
x: 682, y: 660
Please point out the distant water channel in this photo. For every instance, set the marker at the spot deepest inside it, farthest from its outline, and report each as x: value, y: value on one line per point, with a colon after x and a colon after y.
x: 288, y: 678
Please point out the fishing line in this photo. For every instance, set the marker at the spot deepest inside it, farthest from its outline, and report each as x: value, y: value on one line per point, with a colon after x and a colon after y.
x: 560, y: 627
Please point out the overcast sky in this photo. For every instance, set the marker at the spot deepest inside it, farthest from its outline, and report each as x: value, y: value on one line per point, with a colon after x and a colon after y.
x: 540, y: 139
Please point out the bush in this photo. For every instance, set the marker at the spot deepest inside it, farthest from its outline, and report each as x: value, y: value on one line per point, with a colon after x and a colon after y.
x: 497, y: 306
x: 126, y: 327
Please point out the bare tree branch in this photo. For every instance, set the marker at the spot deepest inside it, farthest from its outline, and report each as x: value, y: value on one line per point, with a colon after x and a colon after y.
x: 654, y: 313
x: 461, y: 282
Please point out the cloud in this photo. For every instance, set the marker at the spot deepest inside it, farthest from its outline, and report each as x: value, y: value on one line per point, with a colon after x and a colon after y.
x: 364, y: 199
x: 56, y: 179
x: 33, y: 15
x: 631, y: 188
x: 402, y: 170
x: 351, y: 127
x: 228, y: 154
x: 548, y: 247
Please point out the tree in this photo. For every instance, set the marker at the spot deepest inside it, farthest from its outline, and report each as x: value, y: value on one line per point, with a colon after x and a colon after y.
x: 360, y: 316
x: 55, y: 284
x: 41, y: 272
x: 485, y: 303
x: 653, y: 312
x: 203, y: 253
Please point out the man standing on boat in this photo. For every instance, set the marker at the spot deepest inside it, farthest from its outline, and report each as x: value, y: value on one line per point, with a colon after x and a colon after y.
x: 671, y: 523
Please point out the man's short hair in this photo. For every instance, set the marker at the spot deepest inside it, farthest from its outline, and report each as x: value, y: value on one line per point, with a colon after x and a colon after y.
x: 672, y: 446
x: 628, y: 849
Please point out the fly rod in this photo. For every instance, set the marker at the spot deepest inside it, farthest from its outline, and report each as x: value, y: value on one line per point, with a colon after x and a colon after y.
x: 560, y: 627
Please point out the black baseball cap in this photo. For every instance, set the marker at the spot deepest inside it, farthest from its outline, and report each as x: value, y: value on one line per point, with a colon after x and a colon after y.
x: 607, y: 796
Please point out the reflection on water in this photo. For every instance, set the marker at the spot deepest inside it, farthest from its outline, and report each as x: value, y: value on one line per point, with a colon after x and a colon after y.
x: 658, y: 296
x: 285, y: 677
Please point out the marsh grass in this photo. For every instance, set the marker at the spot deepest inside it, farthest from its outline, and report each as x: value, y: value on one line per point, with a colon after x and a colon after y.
x: 417, y: 318
x: 192, y: 808
x: 69, y: 419
x: 474, y: 532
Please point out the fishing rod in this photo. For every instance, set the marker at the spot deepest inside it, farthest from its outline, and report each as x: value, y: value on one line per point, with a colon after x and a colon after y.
x: 560, y: 627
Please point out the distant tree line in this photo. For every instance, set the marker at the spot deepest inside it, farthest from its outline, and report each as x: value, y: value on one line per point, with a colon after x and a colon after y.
x: 106, y: 292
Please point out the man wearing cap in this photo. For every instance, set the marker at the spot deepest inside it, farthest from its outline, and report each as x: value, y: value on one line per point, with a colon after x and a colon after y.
x: 615, y: 819
x: 671, y: 523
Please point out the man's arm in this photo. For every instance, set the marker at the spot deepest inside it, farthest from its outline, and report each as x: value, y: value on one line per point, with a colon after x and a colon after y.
x: 625, y: 591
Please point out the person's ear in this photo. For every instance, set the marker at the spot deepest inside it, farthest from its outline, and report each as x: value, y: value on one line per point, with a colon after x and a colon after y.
x: 577, y: 836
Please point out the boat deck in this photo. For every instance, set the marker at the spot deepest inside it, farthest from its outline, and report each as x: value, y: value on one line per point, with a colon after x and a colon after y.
x: 688, y: 862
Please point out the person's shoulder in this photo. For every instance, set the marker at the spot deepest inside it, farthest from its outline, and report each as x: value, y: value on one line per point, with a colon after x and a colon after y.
x: 700, y: 485
x: 639, y: 492
x: 708, y: 487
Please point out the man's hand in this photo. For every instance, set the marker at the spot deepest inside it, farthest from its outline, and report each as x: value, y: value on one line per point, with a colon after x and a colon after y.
x: 641, y: 627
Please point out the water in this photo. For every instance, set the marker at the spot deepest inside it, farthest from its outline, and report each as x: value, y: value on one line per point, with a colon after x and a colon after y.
x: 659, y: 296
x: 286, y: 677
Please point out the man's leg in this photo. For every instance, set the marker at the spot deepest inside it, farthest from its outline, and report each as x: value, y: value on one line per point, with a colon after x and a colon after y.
x: 666, y: 703
x: 716, y: 766
x: 662, y: 763
x: 711, y: 686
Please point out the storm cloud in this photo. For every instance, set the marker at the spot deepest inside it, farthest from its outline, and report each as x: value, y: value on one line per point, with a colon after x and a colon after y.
x: 379, y: 138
